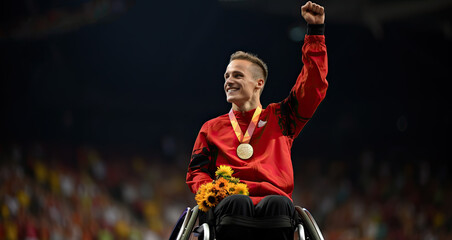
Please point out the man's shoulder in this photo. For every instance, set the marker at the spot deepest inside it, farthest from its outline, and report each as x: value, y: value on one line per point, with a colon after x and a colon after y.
x: 272, y: 106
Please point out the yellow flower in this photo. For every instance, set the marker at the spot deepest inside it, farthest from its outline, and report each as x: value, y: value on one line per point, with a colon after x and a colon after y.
x: 222, y: 183
x: 206, y: 197
x: 211, y: 199
x: 222, y: 194
x: 210, y: 194
x: 201, y: 190
x: 214, y: 189
x: 224, y: 171
x: 222, y: 186
x: 231, y: 188
x: 234, y: 180
x: 241, y: 188
x: 199, y: 197
x: 210, y: 187
x: 203, y: 206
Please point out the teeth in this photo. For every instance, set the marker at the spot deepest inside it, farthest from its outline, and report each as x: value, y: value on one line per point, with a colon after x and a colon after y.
x: 232, y: 90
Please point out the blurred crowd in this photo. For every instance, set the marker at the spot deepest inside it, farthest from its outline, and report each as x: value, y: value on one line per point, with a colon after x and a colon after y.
x: 65, y: 193
x: 378, y: 196
x: 59, y: 192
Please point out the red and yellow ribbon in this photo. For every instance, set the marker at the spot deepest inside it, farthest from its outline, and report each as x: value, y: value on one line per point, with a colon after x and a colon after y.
x: 249, y: 132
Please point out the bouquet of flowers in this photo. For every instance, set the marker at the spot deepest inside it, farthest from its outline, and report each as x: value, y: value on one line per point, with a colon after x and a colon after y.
x: 210, y: 194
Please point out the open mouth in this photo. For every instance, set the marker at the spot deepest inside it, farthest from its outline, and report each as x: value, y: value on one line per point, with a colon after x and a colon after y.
x: 230, y: 90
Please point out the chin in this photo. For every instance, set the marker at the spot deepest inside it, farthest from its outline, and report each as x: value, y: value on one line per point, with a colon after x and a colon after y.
x: 229, y: 99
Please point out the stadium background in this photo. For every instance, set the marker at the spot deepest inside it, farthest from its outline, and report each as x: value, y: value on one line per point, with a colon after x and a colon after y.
x: 101, y: 101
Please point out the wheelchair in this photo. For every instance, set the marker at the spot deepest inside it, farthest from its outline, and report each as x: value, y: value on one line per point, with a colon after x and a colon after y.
x: 306, y: 229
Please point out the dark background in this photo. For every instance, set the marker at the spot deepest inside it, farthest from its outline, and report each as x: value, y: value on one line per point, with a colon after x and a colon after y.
x: 137, y: 71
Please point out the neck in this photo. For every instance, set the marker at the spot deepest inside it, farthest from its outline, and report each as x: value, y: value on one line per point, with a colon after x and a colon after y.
x: 248, y: 106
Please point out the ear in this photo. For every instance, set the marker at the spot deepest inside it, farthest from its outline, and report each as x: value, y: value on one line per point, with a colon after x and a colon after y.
x: 260, y: 83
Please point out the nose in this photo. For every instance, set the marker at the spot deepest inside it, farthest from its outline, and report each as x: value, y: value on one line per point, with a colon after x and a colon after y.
x: 226, y: 85
x: 227, y: 82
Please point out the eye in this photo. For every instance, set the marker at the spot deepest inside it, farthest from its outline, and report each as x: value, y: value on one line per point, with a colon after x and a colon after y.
x: 238, y: 75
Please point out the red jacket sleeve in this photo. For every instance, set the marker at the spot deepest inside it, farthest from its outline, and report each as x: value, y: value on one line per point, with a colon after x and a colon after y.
x: 200, y: 162
x: 309, y: 90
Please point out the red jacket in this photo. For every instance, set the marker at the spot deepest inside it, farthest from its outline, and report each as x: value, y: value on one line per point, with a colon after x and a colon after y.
x: 269, y: 171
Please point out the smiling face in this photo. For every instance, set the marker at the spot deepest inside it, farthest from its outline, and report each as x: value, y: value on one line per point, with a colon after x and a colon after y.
x: 241, y: 86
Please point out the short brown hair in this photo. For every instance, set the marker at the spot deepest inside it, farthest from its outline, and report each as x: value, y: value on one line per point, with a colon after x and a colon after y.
x: 251, y: 58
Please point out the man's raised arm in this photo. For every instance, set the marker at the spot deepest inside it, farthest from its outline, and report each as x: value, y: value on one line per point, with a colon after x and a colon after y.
x: 310, y: 88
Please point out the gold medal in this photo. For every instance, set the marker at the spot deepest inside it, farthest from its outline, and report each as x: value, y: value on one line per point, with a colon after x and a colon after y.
x: 245, y: 151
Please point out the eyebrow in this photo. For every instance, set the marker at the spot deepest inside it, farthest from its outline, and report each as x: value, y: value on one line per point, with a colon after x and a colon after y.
x: 235, y: 71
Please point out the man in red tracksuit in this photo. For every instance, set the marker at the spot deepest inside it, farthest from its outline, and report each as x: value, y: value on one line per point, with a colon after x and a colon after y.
x: 262, y: 159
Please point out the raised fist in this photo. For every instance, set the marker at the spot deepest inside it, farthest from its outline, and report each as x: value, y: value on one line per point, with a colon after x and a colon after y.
x: 313, y: 13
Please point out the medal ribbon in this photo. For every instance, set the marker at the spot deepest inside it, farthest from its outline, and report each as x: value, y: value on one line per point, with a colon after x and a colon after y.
x: 249, y: 132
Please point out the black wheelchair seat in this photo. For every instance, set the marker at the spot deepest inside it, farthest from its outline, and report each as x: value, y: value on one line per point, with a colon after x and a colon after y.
x: 185, y: 228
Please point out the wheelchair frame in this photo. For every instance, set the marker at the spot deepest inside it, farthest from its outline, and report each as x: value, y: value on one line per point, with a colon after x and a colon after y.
x: 307, y: 229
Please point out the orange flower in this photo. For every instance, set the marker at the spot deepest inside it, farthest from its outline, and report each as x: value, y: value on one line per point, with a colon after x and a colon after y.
x: 222, y: 194
x: 222, y: 183
x: 210, y: 194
